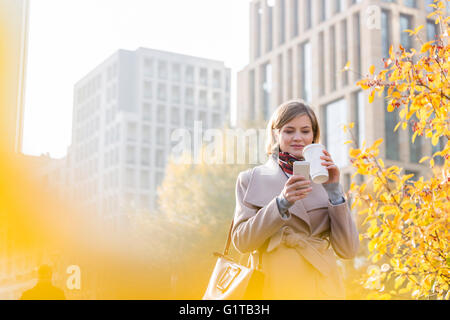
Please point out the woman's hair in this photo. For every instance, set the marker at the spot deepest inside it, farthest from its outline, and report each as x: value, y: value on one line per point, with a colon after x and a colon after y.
x: 282, y: 115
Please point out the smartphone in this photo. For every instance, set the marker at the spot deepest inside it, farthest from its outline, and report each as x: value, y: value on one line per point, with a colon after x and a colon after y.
x: 301, y: 168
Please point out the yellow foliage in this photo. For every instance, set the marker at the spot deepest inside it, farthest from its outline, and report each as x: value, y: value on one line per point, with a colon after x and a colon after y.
x: 408, y: 222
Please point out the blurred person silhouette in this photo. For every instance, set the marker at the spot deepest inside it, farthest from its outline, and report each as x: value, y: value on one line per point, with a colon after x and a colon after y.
x: 44, y: 289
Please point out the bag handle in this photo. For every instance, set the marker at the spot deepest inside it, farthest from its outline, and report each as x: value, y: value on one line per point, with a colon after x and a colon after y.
x: 226, y: 250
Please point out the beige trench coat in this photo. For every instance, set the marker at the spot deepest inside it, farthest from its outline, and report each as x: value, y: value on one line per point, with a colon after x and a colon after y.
x: 298, y: 255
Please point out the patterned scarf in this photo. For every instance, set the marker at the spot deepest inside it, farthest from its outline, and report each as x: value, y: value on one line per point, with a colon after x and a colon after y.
x: 286, y: 161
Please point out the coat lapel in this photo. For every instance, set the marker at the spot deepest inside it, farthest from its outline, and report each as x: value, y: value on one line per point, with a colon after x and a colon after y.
x: 266, y: 183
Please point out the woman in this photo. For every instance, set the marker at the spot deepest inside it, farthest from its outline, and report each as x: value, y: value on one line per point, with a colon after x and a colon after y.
x: 295, y: 225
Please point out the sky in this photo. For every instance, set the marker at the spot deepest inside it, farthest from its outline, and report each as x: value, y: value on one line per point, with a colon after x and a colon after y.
x: 69, y: 38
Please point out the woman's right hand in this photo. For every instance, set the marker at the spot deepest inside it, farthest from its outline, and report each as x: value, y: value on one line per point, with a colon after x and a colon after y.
x: 296, y: 188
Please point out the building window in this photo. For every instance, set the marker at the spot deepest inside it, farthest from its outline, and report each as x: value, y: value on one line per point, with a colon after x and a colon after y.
x: 189, y: 96
x: 432, y: 30
x: 339, y: 6
x: 335, y: 117
x: 131, y: 154
x: 405, y: 39
x: 217, y: 103
x: 323, y: 10
x: 176, y: 72
x: 410, y: 3
x: 162, y: 69
x: 333, y: 58
x: 162, y: 92
x: 391, y: 137
x: 175, y: 116
x: 148, y: 90
x: 290, y: 79
x: 269, y: 30
x: 217, y: 79
x: 131, y: 131
x: 161, y: 114
x: 258, y: 18
x: 251, y: 88
x: 427, y: 5
x: 266, y: 89
x: 282, y: 21
x: 176, y: 94
x: 188, y: 118
x: 203, y: 98
x: 146, y: 134
x: 357, y: 35
x: 160, y: 136
x: 305, y: 71
x: 189, y: 74
x: 160, y: 158
x: 385, y: 32
x: 344, y: 46
x: 280, y: 78
x: 294, y: 18
x: 216, y: 120
x: 148, y: 67
x: 202, y: 116
x: 145, y: 156
x: 321, y: 64
x: 147, y: 111
x: 204, y: 76
x: 308, y: 14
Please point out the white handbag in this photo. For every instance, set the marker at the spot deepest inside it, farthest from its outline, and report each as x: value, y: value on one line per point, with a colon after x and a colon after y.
x: 233, y: 281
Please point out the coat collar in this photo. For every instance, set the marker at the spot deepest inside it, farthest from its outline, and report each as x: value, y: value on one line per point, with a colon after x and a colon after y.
x: 266, y: 182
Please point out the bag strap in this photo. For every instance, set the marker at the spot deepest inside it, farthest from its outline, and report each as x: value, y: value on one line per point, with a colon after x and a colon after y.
x: 226, y: 250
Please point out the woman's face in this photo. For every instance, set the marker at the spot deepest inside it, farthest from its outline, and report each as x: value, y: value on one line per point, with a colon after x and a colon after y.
x: 295, y: 135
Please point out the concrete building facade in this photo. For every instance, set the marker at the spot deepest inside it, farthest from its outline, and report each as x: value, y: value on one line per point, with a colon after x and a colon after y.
x: 125, y: 111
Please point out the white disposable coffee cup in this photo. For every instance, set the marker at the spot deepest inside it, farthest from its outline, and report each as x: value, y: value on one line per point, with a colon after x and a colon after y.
x: 312, y: 154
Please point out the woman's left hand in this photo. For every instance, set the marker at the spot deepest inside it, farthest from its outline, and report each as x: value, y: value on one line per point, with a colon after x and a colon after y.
x: 333, y: 170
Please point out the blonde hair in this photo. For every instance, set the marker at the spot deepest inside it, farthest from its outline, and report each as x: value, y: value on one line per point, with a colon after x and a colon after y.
x: 282, y: 115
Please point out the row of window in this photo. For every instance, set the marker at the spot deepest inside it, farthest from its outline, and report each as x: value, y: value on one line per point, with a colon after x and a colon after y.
x: 304, y: 69
x: 191, y: 74
x: 173, y: 115
x: 414, y: 3
x: 85, y: 150
x: 162, y: 135
x: 86, y: 170
x: 144, y: 180
x: 133, y: 201
x: 88, y: 108
x: 88, y: 90
x: 86, y: 130
x: 203, y: 97
x: 406, y: 22
x: 300, y: 17
x: 131, y: 157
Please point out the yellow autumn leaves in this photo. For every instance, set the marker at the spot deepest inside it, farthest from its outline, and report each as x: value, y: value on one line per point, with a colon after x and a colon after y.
x: 407, y: 222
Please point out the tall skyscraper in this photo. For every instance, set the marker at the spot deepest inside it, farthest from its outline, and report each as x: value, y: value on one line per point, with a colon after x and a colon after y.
x: 298, y: 49
x: 124, y: 113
